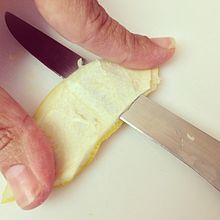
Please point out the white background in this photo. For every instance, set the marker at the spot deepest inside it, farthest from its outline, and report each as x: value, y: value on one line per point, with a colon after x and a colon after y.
x: 132, y: 177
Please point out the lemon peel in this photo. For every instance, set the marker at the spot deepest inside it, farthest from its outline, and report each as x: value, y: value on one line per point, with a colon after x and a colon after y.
x: 83, y: 111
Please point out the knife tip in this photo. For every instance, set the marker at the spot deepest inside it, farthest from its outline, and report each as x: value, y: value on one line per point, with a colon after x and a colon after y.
x: 7, y: 14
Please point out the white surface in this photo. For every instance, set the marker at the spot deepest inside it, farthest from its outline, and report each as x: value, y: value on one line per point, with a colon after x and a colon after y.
x: 132, y: 178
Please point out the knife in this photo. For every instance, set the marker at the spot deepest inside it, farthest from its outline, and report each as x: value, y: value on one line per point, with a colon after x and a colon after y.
x: 192, y: 146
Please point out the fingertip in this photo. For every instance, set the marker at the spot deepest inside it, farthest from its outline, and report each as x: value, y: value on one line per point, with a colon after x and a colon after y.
x: 150, y: 53
x: 165, y: 42
x: 28, y: 191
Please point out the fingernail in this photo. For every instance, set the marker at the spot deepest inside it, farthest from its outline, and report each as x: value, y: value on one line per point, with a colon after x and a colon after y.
x: 166, y: 42
x: 23, y: 183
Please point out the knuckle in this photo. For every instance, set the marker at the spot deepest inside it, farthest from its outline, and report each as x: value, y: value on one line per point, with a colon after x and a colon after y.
x: 6, y: 137
x: 12, y: 130
x: 11, y: 151
x: 94, y: 20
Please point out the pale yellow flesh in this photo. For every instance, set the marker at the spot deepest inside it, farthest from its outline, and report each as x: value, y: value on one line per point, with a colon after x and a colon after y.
x: 84, y: 110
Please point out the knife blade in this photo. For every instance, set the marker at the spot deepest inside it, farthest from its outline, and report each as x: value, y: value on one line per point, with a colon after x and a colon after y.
x: 41, y: 45
x: 192, y: 146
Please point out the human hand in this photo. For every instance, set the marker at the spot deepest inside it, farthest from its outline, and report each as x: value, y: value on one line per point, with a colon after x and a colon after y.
x: 26, y: 157
x: 86, y: 23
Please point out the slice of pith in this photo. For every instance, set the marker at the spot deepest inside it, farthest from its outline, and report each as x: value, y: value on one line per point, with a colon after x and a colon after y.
x: 84, y: 110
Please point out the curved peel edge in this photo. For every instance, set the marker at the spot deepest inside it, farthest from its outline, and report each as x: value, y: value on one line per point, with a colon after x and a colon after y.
x: 8, y: 195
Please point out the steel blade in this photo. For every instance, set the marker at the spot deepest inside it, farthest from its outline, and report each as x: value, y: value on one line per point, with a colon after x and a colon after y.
x: 54, y: 55
x: 194, y: 147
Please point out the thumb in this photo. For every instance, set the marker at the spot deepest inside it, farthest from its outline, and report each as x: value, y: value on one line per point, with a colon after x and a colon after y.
x: 26, y: 157
x: 87, y: 24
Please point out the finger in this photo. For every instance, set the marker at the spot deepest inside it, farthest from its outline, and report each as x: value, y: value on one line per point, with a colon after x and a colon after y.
x: 26, y: 156
x: 87, y: 24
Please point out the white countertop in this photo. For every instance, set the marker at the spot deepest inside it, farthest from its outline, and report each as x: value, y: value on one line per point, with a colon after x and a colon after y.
x: 132, y: 177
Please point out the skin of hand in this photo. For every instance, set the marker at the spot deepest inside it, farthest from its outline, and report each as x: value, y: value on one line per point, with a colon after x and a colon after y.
x: 86, y: 23
x: 26, y: 156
